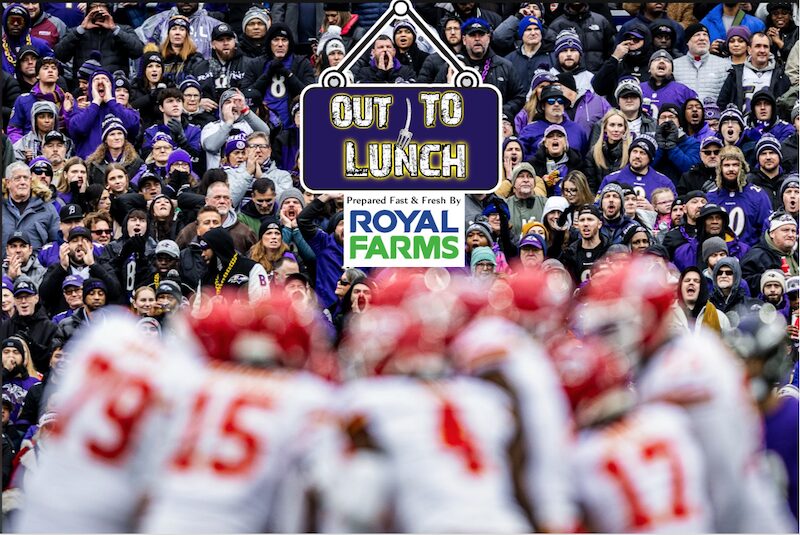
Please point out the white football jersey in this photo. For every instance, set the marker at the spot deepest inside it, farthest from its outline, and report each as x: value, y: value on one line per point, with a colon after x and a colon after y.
x: 237, y: 436
x: 698, y: 373
x: 643, y: 473
x: 443, y: 452
x: 496, y: 343
x: 113, y: 403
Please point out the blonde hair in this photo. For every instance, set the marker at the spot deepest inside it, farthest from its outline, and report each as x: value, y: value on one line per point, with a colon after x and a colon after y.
x: 597, y: 149
x: 40, y: 189
x: 135, y: 296
x: 63, y: 187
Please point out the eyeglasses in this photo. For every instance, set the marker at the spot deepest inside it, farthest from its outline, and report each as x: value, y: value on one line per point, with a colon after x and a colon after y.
x: 72, y: 290
x: 725, y: 272
x: 102, y: 231
x: 258, y: 146
x: 188, y: 96
x: 343, y: 282
x: 555, y: 100
x: 484, y: 265
x: 569, y: 190
x: 710, y: 152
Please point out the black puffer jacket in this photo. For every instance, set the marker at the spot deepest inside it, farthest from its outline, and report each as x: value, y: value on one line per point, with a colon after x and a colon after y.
x: 596, y: 34
x: 117, y: 50
x: 698, y: 177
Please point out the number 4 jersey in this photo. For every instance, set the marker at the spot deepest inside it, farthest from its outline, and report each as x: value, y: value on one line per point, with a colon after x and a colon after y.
x: 443, y: 452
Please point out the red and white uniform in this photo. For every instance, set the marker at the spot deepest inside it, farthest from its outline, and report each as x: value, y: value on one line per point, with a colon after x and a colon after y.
x: 496, y: 343
x: 112, y: 406
x: 700, y: 374
x: 236, y: 440
x: 643, y: 473
x: 443, y: 454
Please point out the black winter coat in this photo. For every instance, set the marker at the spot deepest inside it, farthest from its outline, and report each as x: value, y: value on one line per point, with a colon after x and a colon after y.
x: 698, y: 177
x: 117, y: 50
x: 594, y: 173
x: 732, y: 91
x: 596, y: 34
x: 756, y: 261
x: 38, y: 330
x: 501, y: 75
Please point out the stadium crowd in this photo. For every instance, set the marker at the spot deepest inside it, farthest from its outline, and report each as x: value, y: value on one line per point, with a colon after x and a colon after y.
x: 151, y: 161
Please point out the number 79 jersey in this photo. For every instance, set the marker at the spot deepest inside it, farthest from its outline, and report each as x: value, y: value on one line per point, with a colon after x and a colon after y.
x: 112, y: 404
x: 233, y: 442
x: 643, y: 473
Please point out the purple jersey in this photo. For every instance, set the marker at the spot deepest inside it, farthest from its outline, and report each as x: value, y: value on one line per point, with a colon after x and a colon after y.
x: 748, y: 210
x: 671, y: 93
x: 643, y: 185
x: 781, y: 428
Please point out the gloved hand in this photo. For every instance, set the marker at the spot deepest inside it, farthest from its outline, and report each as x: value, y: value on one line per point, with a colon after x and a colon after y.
x: 276, y: 67
x: 667, y: 136
x: 176, y: 130
x: 177, y: 179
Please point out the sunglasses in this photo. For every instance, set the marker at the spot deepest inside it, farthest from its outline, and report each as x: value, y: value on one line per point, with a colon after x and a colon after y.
x: 726, y: 272
x: 710, y: 152
x: 555, y: 100
x: 343, y: 282
x: 102, y: 231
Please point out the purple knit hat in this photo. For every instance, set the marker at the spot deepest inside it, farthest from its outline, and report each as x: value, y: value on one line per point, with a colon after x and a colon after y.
x: 235, y: 143
x: 738, y: 31
x: 179, y: 155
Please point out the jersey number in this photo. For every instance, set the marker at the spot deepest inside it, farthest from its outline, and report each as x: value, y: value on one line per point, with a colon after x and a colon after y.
x: 737, y: 220
x: 457, y: 438
x: 124, y: 400
x: 639, y: 517
x: 230, y: 429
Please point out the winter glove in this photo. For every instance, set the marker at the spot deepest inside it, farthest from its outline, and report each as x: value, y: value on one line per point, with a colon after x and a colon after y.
x: 667, y: 136
x: 276, y: 67
x: 176, y: 130
x: 177, y: 179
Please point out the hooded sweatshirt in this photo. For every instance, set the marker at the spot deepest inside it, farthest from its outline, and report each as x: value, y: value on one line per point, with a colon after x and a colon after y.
x: 737, y: 295
x: 691, y: 252
x: 231, y: 269
x: 281, y: 89
x: 20, y: 121
x: 775, y: 126
x: 26, y: 38
x: 34, y: 139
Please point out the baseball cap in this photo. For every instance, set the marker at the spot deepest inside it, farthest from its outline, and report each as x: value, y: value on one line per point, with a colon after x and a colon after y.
x: 78, y: 232
x: 222, y: 30
x: 633, y: 33
x: 18, y: 236
x: 710, y: 140
x: 474, y: 25
x: 72, y: 280
x: 70, y: 212
x: 553, y: 128
x: 54, y: 135
x: 168, y: 247
x: 533, y: 240
x: 591, y: 210
x: 24, y: 285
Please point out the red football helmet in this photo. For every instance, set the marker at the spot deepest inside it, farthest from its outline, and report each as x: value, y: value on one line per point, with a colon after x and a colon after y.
x: 627, y: 305
x: 535, y: 299
x: 405, y: 329
x: 594, y: 378
x: 275, y: 329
